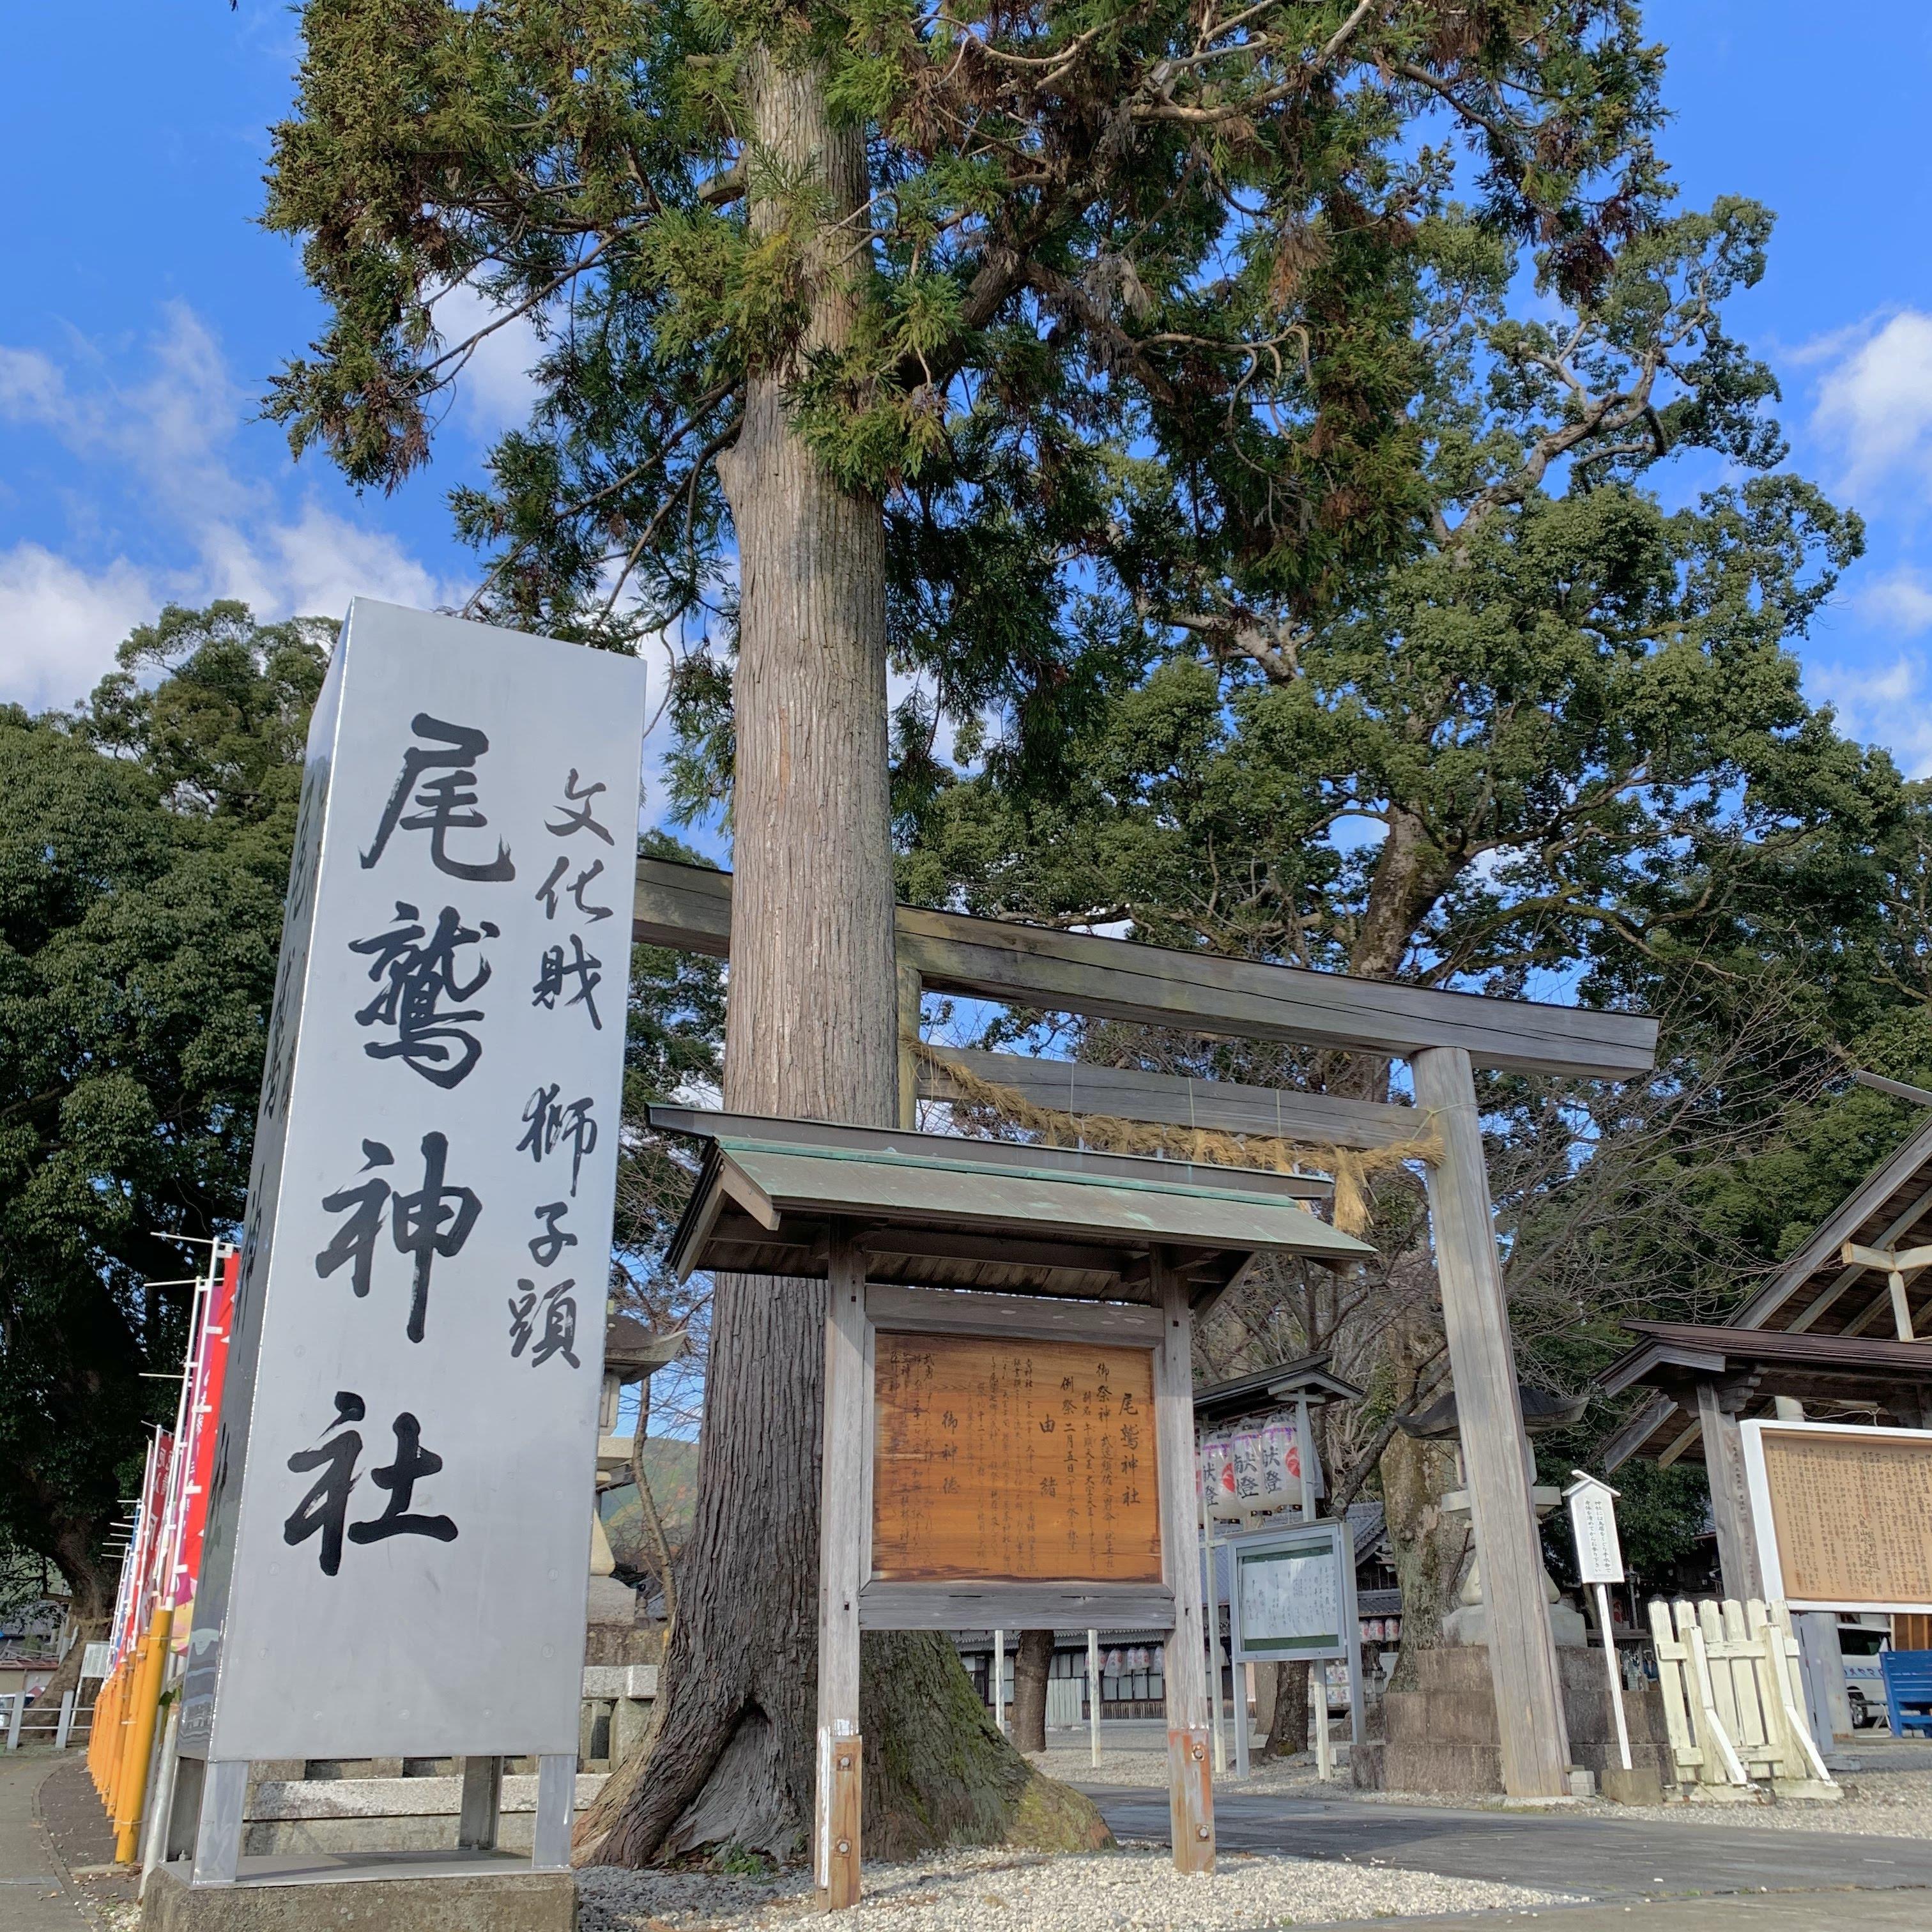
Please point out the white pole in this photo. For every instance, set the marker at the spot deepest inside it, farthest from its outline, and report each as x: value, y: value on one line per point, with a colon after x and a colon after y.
x: 1000, y: 1681
x: 66, y: 1720
x: 1616, y: 1674
x: 161, y: 1799
x: 1094, y: 1694
x: 13, y: 1715
x: 1318, y: 1670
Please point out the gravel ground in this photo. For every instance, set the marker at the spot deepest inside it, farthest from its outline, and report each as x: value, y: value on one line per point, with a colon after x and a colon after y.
x: 1135, y: 1891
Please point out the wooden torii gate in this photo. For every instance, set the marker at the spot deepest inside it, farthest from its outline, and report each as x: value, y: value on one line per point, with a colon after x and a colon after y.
x: 1443, y: 1036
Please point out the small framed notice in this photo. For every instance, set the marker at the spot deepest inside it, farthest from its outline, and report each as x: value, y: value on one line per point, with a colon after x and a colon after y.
x: 1843, y: 1514
x: 1292, y: 1594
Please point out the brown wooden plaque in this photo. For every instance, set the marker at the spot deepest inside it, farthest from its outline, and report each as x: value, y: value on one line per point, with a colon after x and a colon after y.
x: 1852, y: 1516
x: 998, y: 1459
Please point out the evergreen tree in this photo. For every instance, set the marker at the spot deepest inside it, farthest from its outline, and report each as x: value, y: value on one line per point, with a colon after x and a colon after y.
x: 874, y: 330
x: 1559, y: 744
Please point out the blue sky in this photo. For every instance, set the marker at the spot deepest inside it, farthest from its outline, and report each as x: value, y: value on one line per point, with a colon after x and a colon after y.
x: 142, y: 311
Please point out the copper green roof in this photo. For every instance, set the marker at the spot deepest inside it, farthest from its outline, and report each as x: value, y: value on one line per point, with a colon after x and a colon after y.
x: 945, y: 1211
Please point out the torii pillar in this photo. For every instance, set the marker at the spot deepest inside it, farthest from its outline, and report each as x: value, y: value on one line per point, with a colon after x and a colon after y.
x: 1496, y: 1448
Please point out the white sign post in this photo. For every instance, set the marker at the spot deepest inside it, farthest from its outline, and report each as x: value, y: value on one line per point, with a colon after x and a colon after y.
x: 1093, y: 1695
x: 1600, y: 1561
x: 398, y: 1541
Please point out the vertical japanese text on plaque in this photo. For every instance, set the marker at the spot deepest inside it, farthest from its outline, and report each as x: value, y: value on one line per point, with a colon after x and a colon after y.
x: 1015, y: 1460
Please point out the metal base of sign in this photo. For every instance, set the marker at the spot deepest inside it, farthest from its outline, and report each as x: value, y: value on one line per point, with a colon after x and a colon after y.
x: 436, y: 1892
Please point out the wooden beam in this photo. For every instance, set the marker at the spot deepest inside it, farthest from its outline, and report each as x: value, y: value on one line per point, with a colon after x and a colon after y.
x: 1839, y: 1226
x: 1190, y: 1790
x: 999, y: 1605
x: 958, y: 1244
x: 1635, y: 1433
x: 1220, y: 1106
x: 909, y: 992
x: 1858, y: 1259
x: 845, y: 1541
x: 1730, y: 1502
x: 954, y: 1311
x: 1495, y: 1450
x: 688, y: 907
x: 1895, y: 1302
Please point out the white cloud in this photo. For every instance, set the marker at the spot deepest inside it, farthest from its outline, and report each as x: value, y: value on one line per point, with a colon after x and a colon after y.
x: 59, y: 624
x: 1889, y: 704
x: 168, y: 444
x: 1875, y: 399
x: 494, y: 389
x: 311, y: 566
x: 1900, y: 601
x: 30, y: 385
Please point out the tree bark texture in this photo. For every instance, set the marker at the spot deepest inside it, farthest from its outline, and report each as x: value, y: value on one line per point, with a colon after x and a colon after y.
x: 1288, y: 1728
x: 1032, y: 1661
x: 811, y: 1031
x: 1430, y: 1548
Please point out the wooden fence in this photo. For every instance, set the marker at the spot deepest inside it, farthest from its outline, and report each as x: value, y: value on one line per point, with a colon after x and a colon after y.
x: 1733, y: 1702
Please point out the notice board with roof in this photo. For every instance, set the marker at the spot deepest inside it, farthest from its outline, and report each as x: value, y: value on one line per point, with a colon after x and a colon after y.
x: 1008, y: 1436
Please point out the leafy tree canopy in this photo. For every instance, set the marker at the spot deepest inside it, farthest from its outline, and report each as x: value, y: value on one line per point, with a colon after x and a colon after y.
x: 1143, y: 294
x: 144, y: 844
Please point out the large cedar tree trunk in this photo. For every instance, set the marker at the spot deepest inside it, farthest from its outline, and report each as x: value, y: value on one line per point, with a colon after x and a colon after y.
x: 811, y: 1031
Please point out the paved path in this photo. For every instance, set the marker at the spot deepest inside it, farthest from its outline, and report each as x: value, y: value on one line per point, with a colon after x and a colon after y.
x: 1779, y: 1912
x: 32, y: 1896
x: 1603, y: 1858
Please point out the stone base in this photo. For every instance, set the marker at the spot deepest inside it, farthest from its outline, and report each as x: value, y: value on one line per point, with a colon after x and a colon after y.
x: 623, y: 1643
x: 1442, y: 1738
x: 611, y: 1602
x: 478, y: 1893
x: 1469, y: 1624
x: 1642, y: 1784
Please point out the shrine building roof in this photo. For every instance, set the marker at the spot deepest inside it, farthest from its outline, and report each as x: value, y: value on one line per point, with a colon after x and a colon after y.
x: 940, y: 1210
x: 1827, y: 1294
x: 1851, y: 1378
x: 1307, y: 1377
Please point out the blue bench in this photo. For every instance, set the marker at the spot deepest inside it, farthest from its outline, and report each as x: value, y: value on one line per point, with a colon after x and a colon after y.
x: 1908, y: 1690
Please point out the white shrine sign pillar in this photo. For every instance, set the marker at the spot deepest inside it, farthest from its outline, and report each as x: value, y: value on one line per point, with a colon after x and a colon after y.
x: 400, y: 1519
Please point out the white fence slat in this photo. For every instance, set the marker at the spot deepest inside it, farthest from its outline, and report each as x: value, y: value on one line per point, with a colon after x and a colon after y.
x: 1733, y: 1701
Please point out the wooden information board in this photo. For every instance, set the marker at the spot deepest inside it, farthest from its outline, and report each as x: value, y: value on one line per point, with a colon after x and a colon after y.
x: 1006, y: 1458
x: 1851, y: 1513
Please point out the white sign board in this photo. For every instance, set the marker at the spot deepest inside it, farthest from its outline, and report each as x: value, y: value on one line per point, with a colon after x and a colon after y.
x: 399, y: 1529
x: 96, y: 1660
x: 1292, y: 1594
x: 1593, y: 1523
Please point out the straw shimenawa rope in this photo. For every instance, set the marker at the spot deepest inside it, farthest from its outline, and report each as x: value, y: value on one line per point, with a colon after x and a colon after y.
x: 1353, y: 1168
